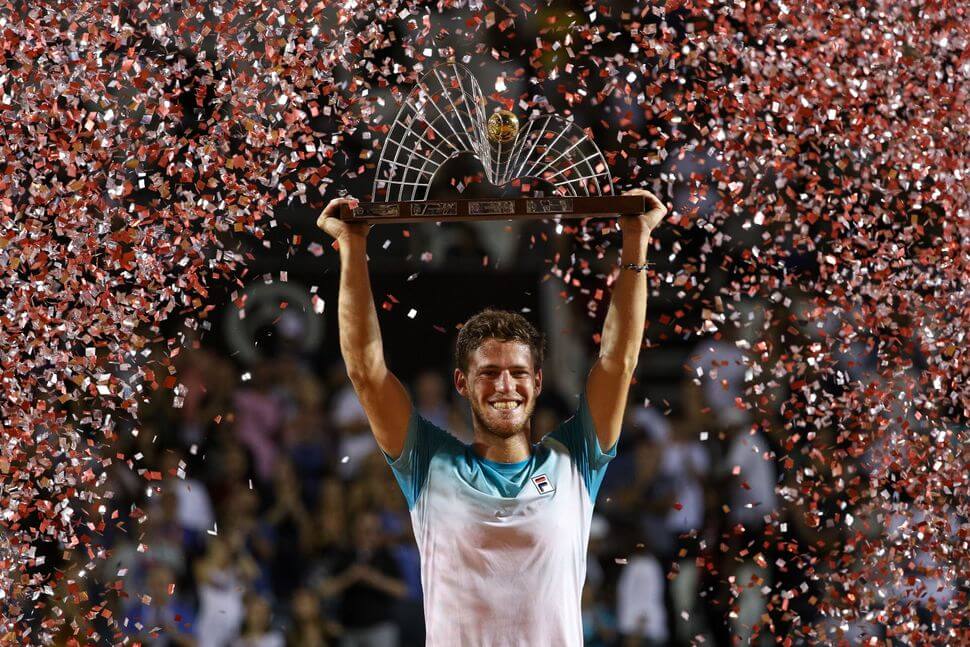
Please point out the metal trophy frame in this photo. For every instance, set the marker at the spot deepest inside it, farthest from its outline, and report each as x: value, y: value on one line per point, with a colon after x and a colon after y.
x: 443, y: 117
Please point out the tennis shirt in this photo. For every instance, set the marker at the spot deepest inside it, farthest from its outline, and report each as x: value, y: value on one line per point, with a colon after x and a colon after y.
x: 503, y: 545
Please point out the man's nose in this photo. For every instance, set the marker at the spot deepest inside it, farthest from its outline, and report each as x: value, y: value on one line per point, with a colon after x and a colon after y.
x: 505, y: 382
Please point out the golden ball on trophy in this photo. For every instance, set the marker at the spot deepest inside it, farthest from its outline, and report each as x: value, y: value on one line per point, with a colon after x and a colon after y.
x: 503, y: 126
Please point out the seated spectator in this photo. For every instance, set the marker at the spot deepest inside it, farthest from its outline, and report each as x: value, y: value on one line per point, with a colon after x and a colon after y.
x: 367, y: 582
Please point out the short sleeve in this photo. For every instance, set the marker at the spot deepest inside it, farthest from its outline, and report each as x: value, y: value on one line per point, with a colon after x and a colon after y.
x: 579, y: 437
x: 421, y: 444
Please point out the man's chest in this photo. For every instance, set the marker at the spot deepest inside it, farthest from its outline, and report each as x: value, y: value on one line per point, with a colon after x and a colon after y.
x: 550, y: 510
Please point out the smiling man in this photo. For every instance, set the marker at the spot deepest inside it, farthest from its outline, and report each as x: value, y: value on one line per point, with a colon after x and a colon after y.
x: 502, y: 525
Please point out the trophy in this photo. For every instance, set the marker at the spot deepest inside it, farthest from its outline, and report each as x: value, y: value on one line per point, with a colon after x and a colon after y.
x: 444, y: 117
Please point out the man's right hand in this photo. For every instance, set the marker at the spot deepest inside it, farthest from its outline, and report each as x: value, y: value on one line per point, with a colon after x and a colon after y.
x: 338, y: 229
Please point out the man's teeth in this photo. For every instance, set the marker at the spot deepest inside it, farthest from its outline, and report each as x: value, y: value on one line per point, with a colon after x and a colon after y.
x: 505, y: 405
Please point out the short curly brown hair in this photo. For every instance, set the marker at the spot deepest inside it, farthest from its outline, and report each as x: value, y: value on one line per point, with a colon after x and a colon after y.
x: 503, y: 326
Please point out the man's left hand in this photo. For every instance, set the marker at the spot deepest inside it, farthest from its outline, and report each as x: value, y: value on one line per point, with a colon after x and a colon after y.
x: 648, y: 220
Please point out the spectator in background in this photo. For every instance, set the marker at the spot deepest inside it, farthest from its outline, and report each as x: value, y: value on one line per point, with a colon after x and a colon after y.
x: 193, y: 507
x: 804, y: 536
x: 599, y: 617
x: 355, y: 439
x: 256, y: 631
x: 167, y: 542
x: 308, y: 627
x: 328, y: 541
x: 409, y: 611
x: 373, y: 490
x: 259, y: 415
x: 222, y: 576
x: 721, y: 366
x: 170, y: 542
x: 639, y: 509
x: 686, y: 466
x: 644, y: 500
x: 310, y: 447
x: 286, y: 527
x: 640, y: 609
x: 230, y: 471
x: 430, y: 398
x: 751, y: 495
x: 750, y: 474
x: 207, y: 378
x: 599, y: 621
x: 160, y: 617
x: 367, y: 582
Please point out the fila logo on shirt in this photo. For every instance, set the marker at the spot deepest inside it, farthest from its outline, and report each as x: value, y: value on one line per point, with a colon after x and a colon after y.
x: 541, y: 481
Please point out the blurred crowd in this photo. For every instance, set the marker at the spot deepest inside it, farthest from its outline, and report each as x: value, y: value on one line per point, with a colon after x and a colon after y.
x: 257, y: 510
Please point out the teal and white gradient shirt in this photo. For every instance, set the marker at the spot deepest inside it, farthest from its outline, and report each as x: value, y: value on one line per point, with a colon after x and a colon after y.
x: 503, y: 545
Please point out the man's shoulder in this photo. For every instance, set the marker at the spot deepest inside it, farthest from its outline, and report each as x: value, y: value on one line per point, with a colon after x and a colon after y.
x: 553, y: 452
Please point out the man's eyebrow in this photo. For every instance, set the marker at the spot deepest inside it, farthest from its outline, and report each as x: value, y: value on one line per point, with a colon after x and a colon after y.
x: 514, y: 366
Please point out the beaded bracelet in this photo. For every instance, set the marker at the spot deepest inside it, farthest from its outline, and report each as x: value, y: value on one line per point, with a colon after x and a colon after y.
x: 636, y: 268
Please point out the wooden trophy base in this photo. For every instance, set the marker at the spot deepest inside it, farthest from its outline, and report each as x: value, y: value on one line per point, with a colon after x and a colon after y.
x: 494, y: 209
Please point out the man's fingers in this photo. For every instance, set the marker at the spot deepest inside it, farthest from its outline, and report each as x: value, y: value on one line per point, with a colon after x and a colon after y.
x: 333, y: 209
x: 334, y: 205
x: 653, y: 202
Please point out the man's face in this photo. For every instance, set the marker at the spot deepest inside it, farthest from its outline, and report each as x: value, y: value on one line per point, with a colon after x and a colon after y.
x: 502, y: 386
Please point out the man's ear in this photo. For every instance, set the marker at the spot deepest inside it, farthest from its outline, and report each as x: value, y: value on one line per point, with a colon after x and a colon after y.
x: 538, y: 382
x: 461, y: 384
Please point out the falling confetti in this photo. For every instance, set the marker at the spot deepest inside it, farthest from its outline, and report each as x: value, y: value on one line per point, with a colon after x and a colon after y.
x: 815, y: 159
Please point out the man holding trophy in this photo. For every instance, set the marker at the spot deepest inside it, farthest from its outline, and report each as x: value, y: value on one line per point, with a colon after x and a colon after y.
x: 502, y: 525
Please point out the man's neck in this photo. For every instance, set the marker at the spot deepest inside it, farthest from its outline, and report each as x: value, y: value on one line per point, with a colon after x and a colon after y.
x: 502, y: 450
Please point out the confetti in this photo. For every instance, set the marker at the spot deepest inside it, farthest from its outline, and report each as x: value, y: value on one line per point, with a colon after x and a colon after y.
x: 814, y: 160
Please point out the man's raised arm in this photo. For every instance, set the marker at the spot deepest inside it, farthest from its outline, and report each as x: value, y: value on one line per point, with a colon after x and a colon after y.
x: 383, y: 397
x: 608, y: 383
